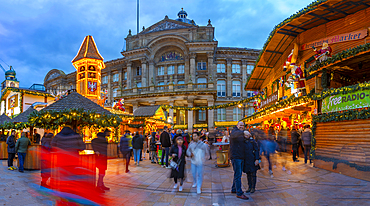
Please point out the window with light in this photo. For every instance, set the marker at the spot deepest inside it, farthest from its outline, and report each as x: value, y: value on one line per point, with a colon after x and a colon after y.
x: 221, y: 88
x: 221, y: 114
x: 202, y: 65
x: 235, y: 68
x: 125, y: 76
x: 160, y: 71
x: 181, y: 69
x: 221, y: 68
x: 236, y: 88
x: 170, y: 70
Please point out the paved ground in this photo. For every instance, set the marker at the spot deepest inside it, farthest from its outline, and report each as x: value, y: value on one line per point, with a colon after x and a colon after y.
x: 148, y: 184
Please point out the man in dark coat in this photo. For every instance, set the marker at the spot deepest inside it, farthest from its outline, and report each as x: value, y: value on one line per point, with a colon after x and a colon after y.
x: 295, y: 137
x: 165, y: 140
x: 125, y: 149
x: 237, y: 158
x: 100, y: 147
x: 36, y: 137
x: 137, y: 145
x: 11, y: 150
x: 251, y: 161
x: 306, y: 138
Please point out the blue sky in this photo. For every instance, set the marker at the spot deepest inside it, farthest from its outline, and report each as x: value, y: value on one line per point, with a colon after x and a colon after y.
x: 39, y: 35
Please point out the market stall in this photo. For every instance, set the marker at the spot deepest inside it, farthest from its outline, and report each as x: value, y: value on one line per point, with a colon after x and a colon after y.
x: 3, y: 146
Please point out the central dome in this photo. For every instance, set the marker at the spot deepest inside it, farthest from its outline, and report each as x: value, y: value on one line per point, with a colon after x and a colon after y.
x: 183, y: 17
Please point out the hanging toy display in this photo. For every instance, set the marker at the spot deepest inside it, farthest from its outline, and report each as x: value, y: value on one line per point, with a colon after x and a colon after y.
x: 61, y: 95
x: 120, y: 105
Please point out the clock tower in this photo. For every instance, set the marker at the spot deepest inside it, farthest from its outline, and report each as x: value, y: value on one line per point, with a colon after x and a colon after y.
x: 88, y: 63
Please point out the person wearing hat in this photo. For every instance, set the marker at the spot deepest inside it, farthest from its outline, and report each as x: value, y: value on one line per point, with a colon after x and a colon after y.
x: 21, y: 148
x: 166, y: 144
x: 100, y: 147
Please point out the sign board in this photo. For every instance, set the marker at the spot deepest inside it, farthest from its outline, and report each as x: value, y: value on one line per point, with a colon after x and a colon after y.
x: 340, y: 102
x: 270, y: 99
x: 355, y: 35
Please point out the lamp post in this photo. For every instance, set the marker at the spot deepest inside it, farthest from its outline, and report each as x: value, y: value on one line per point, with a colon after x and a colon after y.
x: 243, y: 105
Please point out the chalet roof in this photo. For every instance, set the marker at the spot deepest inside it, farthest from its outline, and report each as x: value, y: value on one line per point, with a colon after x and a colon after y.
x: 146, y: 111
x: 88, y: 49
x: 4, y: 118
x: 23, y: 117
x: 76, y: 101
x: 285, y: 33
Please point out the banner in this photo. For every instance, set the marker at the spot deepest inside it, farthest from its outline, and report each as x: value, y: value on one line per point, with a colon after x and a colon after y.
x: 270, y: 99
x: 340, y: 102
x: 355, y: 35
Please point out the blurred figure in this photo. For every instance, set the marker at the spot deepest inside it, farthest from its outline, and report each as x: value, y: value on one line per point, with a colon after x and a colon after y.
x: 237, y: 159
x: 295, y: 137
x: 186, y: 137
x: 306, y: 138
x: 11, y: 150
x: 166, y: 144
x: 269, y: 146
x: 137, y: 144
x: 36, y: 137
x: 100, y: 147
x: 178, y: 152
x: 226, y: 137
x: 153, y: 148
x: 125, y: 149
x: 197, y: 150
x: 145, y: 145
x: 173, y: 134
x: 2, y: 136
x: 21, y: 148
x: 46, y: 158
x: 251, y: 161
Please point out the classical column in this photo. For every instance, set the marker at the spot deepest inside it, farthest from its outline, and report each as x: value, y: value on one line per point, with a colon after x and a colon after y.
x: 244, y: 76
x: 211, y: 121
x: 190, y: 116
x: 165, y: 74
x: 129, y: 75
x: 192, y: 66
x: 186, y: 68
x: 211, y: 66
x: 144, y: 73
x: 229, y: 83
x: 151, y: 72
x: 171, y: 111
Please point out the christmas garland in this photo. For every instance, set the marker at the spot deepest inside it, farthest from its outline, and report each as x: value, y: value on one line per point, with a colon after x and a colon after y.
x: 339, y: 57
x: 200, y: 125
x: 231, y: 104
x: 342, y: 90
x: 180, y: 126
x: 16, y: 126
x: 226, y: 124
x: 23, y: 91
x: 80, y: 117
x: 136, y: 125
x: 312, y: 6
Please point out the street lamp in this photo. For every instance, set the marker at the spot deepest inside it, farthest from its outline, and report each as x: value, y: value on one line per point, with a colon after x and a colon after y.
x: 243, y: 105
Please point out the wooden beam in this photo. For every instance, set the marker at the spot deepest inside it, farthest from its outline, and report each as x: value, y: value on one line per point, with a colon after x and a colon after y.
x: 319, y: 16
x: 297, y: 27
x: 285, y: 33
x: 276, y: 52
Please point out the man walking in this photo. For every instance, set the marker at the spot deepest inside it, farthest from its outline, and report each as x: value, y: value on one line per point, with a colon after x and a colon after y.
x: 166, y: 144
x: 306, y: 138
x: 100, y: 147
x: 237, y: 158
x: 295, y: 136
x: 137, y: 144
x: 11, y: 150
x: 125, y: 149
x: 21, y: 148
x: 197, y: 150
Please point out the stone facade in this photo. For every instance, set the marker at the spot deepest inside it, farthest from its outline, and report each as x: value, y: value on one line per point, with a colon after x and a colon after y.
x: 175, y: 63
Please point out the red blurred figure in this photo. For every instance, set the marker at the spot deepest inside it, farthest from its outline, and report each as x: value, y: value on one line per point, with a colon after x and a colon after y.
x: 46, y: 158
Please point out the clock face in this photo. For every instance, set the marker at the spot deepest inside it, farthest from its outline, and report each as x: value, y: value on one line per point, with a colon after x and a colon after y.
x: 12, y: 84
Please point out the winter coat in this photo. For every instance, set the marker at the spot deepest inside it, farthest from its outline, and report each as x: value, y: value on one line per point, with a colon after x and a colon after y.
x: 294, y: 136
x: 198, y: 149
x: 269, y: 146
x: 237, y: 144
x: 153, y: 144
x: 124, y: 144
x: 68, y: 140
x: 22, y: 145
x: 137, y: 142
x: 251, y: 154
x: 45, y: 156
x: 37, y: 138
x: 165, y: 139
x: 100, y: 145
x: 306, y: 137
x: 180, y: 161
x: 11, y: 144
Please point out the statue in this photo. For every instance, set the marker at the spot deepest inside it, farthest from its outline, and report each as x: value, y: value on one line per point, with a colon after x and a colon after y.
x: 298, y: 73
x: 290, y: 83
x: 119, y: 105
x: 292, y: 58
x: 101, y: 101
x: 324, y: 53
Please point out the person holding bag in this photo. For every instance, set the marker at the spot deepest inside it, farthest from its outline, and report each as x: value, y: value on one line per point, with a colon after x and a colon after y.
x: 178, y: 152
x: 11, y: 150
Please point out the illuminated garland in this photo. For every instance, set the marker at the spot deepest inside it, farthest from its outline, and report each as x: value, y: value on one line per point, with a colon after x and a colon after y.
x: 312, y: 6
x: 180, y: 126
x: 339, y: 57
x: 226, y: 124
x: 16, y: 126
x: 200, y: 125
x: 80, y: 117
x: 342, y: 90
x: 22, y: 91
x: 231, y: 104
x: 136, y: 125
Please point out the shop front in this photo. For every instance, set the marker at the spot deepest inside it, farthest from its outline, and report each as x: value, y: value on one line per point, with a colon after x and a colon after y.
x: 317, y: 61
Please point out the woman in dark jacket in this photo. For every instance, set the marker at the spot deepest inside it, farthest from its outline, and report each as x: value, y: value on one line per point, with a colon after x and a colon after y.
x: 137, y: 145
x: 11, y: 150
x: 251, y: 161
x: 178, y: 152
x: 153, y: 148
x: 46, y: 158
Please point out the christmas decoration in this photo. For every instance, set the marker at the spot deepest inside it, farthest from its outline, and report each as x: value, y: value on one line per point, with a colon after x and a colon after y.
x: 120, y: 105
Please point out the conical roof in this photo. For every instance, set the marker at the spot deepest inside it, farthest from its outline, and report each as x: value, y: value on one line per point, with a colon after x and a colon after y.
x: 88, y: 49
x: 23, y: 117
x: 76, y: 101
x: 4, y: 118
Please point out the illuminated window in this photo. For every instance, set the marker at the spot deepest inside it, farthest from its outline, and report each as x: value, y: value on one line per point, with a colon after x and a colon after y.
x: 170, y: 70
x: 235, y: 68
x: 160, y: 70
x: 202, y: 65
x: 221, y: 68
x: 181, y: 69
x: 236, y: 88
x: 221, y: 114
x: 221, y: 88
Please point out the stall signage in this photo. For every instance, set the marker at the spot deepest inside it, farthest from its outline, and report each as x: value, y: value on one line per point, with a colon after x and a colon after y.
x: 270, y: 99
x: 342, y: 102
x: 355, y: 35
